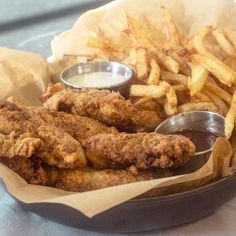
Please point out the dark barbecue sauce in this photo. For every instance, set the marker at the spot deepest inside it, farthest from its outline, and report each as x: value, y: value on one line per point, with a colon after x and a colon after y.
x: 203, y: 140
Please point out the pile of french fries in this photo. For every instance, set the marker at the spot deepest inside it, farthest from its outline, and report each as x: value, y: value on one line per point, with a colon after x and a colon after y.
x: 169, y: 65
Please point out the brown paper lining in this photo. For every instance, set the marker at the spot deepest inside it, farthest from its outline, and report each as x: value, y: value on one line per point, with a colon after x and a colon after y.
x: 23, y: 75
x: 91, y: 203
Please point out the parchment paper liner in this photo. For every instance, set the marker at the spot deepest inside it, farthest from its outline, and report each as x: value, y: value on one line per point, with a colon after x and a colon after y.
x: 191, y: 15
x: 23, y: 75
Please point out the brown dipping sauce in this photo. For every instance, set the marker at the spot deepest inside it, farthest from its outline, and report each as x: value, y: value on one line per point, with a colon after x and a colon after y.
x: 203, y: 140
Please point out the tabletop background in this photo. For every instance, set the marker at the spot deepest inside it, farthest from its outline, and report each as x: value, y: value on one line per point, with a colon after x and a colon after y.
x: 30, y: 25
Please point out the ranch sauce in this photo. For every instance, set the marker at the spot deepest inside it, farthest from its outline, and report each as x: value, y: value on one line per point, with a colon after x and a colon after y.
x: 96, y: 79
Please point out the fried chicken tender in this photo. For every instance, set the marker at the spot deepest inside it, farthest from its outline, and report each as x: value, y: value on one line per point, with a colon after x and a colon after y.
x: 58, y: 148
x: 77, y: 126
x: 106, y: 106
x: 143, y: 150
x: 15, y: 145
x: 87, y: 179
x: 28, y: 168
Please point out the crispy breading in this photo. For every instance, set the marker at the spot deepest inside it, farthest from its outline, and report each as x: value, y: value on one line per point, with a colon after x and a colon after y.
x: 77, y: 126
x: 15, y: 145
x: 143, y: 150
x: 106, y: 106
x: 80, y: 180
x: 58, y: 148
x: 28, y: 168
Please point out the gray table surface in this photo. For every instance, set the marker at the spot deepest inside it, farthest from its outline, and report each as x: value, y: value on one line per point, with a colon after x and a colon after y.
x: 30, y: 25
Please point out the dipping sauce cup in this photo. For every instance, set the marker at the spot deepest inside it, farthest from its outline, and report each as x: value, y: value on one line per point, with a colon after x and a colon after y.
x: 100, y: 75
x: 201, y: 127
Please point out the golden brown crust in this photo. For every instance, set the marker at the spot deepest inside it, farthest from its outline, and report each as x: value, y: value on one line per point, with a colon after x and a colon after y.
x: 28, y: 168
x: 55, y: 141
x: 60, y: 149
x: 80, y: 180
x: 28, y: 132
x: 106, y: 106
x: 79, y: 127
x: 15, y: 145
x: 143, y: 150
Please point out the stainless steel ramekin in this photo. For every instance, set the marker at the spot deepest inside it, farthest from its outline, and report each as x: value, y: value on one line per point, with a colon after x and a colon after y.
x: 195, y: 121
x: 112, y: 67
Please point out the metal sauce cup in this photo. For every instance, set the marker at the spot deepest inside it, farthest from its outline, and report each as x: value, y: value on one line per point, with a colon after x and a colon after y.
x: 114, y: 68
x: 195, y: 121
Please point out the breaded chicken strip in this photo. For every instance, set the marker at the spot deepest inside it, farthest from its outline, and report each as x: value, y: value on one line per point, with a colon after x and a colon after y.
x: 143, y: 150
x: 58, y: 148
x: 77, y: 126
x: 28, y: 168
x: 104, y: 105
x: 80, y: 180
x: 15, y: 145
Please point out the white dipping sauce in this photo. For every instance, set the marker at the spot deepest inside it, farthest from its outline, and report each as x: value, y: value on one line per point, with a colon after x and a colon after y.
x: 96, y: 79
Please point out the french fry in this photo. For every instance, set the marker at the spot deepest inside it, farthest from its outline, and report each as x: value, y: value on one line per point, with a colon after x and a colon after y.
x: 198, y: 106
x: 211, y: 48
x: 195, y: 100
x: 184, y: 67
x: 170, y: 94
x: 153, y: 91
x: 138, y: 31
x: 231, y: 62
x: 173, y: 78
x: 230, y: 117
x: 223, y: 42
x: 145, y: 40
x: 230, y: 35
x: 154, y: 75
x: 141, y: 65
x: 158, y: 62
x: 221, y: 71
x: 132, y: 55
x: 198, y: 41
x: 130, y: 60
x: 168, y: 62
x: 198, y: 78
x: 213, y: 87
x: 156, y: 91
x: 217, y: 101
x: 214, y: 48
x: 179, y: 88
x: 202, y: 97
x: 205, y: 44
x: 169, y: 110
x: 171, y: 26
